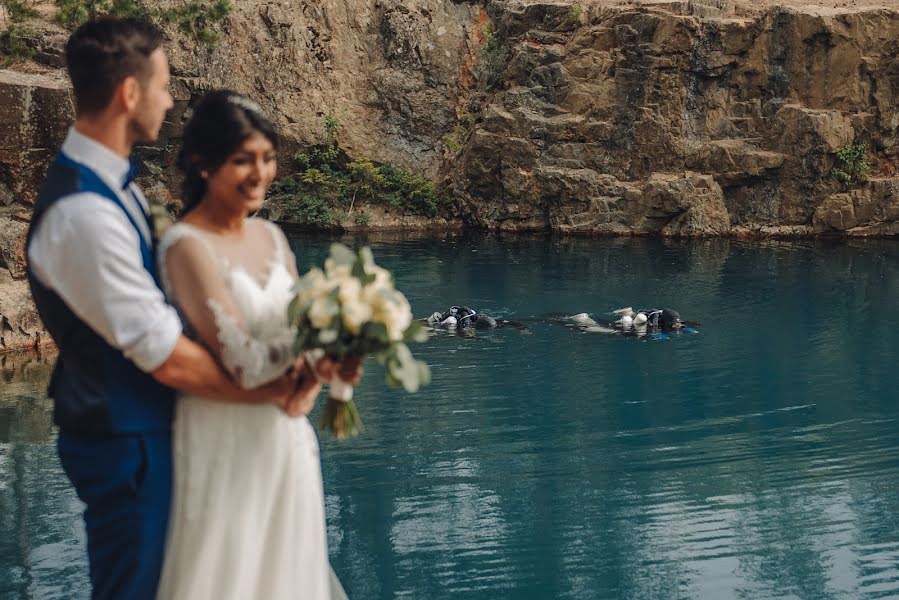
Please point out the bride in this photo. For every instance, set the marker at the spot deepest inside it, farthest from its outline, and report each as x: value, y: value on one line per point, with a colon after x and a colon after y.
x: 248, y: 517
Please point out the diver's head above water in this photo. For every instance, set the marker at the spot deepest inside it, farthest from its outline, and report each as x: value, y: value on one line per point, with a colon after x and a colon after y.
x: 666, y: 319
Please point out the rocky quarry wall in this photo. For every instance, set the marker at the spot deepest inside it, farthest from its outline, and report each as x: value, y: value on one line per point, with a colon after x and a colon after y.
x: 676, y: 118
x: 669, y: 117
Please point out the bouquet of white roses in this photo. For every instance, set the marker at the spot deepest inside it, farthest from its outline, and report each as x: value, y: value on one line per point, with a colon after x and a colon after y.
x: 351, y: 309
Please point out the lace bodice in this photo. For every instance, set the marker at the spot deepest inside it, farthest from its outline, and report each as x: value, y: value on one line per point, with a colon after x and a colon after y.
x: 233, y: 295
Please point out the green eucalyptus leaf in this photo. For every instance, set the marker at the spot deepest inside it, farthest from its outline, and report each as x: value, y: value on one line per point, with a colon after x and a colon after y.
x: 327, y: 336
x: 403, y: 354
x: 303, y: 284
x: 359, y: 273
x: 376, y: 331
x: 416, y: 332
x: 293, y: 311
x: 393, y: 381
x: 342, y: 255
x: 366, y: 257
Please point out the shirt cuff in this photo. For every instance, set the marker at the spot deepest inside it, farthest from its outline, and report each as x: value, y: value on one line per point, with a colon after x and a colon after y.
x: 155, y: 348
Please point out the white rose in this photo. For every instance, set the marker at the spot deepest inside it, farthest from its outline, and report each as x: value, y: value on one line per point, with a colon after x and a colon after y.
x: 355, y: 314
x: 392, y: 309
x: 350, y: 290
x: 312, y: 285
x: 322, y: 312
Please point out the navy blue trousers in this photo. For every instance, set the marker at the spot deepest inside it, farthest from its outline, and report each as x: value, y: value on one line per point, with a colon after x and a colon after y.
x: 126, y: 482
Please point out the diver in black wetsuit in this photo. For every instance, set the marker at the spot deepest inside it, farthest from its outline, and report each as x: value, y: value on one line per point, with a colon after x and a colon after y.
x: 655, y: 319
x: 655, y: 322
x: 467, y: 320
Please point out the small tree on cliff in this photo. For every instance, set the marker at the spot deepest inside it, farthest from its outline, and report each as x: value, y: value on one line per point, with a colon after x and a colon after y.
x: 852, y: 165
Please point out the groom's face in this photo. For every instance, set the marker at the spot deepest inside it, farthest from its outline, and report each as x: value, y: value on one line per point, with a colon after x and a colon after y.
x: 155, y: 99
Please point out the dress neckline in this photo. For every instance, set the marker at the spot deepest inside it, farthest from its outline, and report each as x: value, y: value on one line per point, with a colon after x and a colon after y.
x: 273, y: 262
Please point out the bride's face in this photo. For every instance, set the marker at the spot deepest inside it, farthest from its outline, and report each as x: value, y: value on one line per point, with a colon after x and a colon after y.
x: 241, y: 182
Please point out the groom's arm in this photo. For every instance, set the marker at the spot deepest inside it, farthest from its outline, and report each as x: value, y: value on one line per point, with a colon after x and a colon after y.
x: 191, y: 369
x: 86, y: 251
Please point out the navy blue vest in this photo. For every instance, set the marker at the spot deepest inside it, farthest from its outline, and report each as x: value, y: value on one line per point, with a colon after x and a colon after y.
x: 95, y: 388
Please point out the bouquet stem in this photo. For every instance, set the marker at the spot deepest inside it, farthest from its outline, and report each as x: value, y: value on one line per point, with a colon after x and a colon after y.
x: 341, y: 418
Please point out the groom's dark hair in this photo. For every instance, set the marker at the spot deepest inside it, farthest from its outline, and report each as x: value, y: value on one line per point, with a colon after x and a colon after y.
x: 102, y: 53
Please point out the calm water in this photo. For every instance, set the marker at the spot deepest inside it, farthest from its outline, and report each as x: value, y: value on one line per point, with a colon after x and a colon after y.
x: 756, y: 459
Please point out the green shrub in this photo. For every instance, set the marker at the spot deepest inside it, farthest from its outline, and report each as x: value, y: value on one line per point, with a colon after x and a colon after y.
x: 575, y: 12
x: 852, y: 165
x: 19, y: 10
x: 492, y: 61
x: 325, y: 189
x: 16, y: 43
x: 74, y: 13
x: 455, y: 140
x: 365, y: 179
x: 410, y: 193
x: 362, y: 219
x: 198, y: 19
x: 195, y: 18
x: 312, y: 210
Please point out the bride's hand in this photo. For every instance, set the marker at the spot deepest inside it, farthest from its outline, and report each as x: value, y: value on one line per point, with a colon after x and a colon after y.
x: 348, y: 370
x: 307, y: 386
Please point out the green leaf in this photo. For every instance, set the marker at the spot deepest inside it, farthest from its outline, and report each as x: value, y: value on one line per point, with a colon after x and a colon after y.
x: 342, y: 255
x: 303, y: 284
x: 377, y: 331
x: 327, y: 336
x: 366, y: 257
x: 301, y: 341
x: 393, y: 381
x: 359, y: 273
x: 403, y: 354
x: 416, y: 332
x: 293, y: 311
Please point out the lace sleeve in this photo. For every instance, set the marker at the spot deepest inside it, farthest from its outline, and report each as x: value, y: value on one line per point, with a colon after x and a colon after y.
x: 196, y: 284
x: 282, y: 247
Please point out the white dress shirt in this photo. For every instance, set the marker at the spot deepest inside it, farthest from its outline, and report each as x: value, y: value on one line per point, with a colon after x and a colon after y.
x: 86, y: 250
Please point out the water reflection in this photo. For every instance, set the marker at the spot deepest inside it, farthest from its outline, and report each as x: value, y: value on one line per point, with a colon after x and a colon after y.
x: 758, y: 459
x: 41, y: 540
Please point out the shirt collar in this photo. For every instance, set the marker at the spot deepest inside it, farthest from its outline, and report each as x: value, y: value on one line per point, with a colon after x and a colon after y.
x: 96, y: 157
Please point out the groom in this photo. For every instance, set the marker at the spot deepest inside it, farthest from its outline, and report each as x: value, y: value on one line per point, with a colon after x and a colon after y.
x: 93, y: 276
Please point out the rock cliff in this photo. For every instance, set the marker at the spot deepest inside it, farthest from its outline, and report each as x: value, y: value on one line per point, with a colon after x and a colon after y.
x: 668, y: 117
x: 680, y: 118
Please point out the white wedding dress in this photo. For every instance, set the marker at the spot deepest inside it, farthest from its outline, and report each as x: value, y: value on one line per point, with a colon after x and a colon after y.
x: 247, y: 519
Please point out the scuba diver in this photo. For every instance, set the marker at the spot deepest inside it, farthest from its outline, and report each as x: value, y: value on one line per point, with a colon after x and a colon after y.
x: 657, y: 323
x: 658, y: 319
x: 467, y: 320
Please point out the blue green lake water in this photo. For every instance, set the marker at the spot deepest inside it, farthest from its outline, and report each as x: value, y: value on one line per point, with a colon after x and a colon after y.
x: 758, y: 458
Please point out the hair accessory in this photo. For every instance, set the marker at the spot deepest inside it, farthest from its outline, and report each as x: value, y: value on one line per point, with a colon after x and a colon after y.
x: 246, y: 104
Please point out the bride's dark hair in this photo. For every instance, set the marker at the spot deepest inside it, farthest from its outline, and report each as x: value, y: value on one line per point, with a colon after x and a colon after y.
x: 220, y: 123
